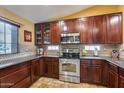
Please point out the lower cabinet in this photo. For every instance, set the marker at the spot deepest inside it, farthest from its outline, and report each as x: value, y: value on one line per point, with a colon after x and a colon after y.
x: 85, y: 71
x: 51, y: 67
x: 105, y: 73
x: 42, y: 67
x: 96, y: 71
x: 24, y: 83
x: 113, y: 76
x: 35, y: 70
x: 121, y: 78
x: 15, y: 75
x: 91, y: 71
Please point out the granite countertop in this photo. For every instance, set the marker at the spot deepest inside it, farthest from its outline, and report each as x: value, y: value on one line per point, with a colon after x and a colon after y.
x: 14, y: 61
x: 10, y: 62
x: 119, y: 62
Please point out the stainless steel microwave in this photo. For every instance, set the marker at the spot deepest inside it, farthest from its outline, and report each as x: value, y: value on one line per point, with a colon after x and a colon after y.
x: 70, y: 38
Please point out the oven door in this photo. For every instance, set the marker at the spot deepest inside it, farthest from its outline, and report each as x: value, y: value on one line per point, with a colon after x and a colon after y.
x: 69, y: 67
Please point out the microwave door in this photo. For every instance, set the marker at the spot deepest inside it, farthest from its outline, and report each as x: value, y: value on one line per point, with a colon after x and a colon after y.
x: 77, y: 39
x: 63, y: 39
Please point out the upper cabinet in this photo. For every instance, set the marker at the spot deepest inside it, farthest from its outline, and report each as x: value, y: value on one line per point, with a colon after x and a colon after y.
x: 46, y: 33
x: 55, y: 32
x: 114, y: 28
x: 102, y: 29
x: 99, y: 29
x: 85, y: 27
x: 68, y: 26
x: 38, y: 34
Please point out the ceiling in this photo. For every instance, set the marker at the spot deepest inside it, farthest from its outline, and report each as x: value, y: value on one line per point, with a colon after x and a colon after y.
x: 44, y: 13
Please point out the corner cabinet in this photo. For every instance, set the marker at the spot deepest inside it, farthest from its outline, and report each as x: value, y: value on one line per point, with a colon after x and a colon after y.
x: 113, y: 76
x: 121, y: 78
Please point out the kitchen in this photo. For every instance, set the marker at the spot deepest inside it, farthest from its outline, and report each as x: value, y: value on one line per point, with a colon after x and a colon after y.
x: 82, y: 49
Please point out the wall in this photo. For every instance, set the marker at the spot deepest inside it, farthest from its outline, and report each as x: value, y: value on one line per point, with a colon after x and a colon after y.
x: 95, y: 10
x: 26, y: 25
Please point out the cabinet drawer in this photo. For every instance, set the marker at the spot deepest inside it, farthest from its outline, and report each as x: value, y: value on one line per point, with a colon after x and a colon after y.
x: 12, y: 78
x: 11, y: 69
x: 97, y: 62
x: 113, y: 67
x: 24, y: 83
x: 86, y: 62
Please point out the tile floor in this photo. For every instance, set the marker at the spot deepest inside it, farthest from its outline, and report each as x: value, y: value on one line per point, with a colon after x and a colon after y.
x: 44, y: 82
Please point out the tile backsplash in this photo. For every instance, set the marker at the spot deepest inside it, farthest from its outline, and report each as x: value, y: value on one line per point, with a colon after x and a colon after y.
x: 24, y: 50
x: 105, y: 49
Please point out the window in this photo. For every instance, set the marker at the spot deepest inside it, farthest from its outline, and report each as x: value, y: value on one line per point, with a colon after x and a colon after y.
x: 8, y: 38
x: 88, y: 47
x: 53, y: 47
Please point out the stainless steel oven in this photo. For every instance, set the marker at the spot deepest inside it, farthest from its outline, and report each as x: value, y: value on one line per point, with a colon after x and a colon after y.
x: 69, y: 70
x: 69, y: 66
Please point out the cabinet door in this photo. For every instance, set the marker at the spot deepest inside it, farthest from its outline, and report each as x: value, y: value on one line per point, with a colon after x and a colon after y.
x: 55, y: 33
x: 42, y: 67
x: 86, y: 30
x: 55, y: 68
x: 48, y: 67
x: 121, y: 78
x: 85, y: 71
x: 105, y: 73
x: 96, y: 70
x: 121, y: 82
x: 113, y: 79
x: 97, y: 74
x: 35, y: 70
x: 71, y: 25
x: 114, y: 28
x: 99, y: 29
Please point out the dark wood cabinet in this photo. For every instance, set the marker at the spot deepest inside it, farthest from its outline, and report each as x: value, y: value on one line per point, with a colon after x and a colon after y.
x: 97, y: 71
x: 42, y: 67
x: 51, y: 67
x: 113, y: 76
x: 85, y: 71
x: 11, y: 76
x: 114, y: 28
x: 35, y: 70
x: 69, y: 26
x: 55, y: 32
x: 91, y: 71
x: 86, y: 29
x: 38, y: 35
x: 121, y: 78
x: 105, y: 73
x: 99, y: 29
x: 23, y: 84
